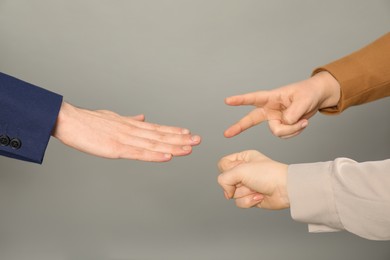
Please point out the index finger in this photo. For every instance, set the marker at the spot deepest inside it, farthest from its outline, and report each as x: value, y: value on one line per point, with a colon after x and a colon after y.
x: 229, y: 183
x: 253, y: 118
x: 254, y: 98
x: 158, y: 128
x: 231, y: 180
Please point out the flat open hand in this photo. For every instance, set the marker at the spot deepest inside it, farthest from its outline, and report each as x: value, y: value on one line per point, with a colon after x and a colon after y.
x: 106, y: 134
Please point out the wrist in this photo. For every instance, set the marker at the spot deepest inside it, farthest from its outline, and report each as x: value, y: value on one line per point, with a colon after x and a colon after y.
x: 329, y: 88
x: 284, y: 199
x: 63, y: 117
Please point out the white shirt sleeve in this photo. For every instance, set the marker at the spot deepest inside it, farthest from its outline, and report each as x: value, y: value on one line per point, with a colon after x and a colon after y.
x: 342, y: 195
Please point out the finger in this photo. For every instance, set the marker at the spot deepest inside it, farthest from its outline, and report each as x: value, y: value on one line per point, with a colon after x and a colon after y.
x: 255, y: 98
x: 249, y: 201
x: 135, y: 153
x: 292, y: 135
x: 138, y: 121
x: 230, y: 180
x: 156, y: 146
x: 243, y: 191
x: 225, y: 165
x: 163, y: 137
x: 295, y: 111
x: 280, y: 129
x: 265, y: 204
x: 253, y: 118
x: 230, y: 161
x: 228, y: 189
x: 160, y: 128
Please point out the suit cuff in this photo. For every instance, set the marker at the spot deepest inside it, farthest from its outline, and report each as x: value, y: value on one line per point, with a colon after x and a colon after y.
x: 28, y: 115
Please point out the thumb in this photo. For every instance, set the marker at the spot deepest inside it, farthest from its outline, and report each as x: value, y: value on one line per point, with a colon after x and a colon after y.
x: 225, y: 164
x: 230, y: 161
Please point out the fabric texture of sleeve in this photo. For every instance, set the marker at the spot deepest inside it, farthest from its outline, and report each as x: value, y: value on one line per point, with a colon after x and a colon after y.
x: 364, y: 75
x: 342, y: 195
x: 27, y: 116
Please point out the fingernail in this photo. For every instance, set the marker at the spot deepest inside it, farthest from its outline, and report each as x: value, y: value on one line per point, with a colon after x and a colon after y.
x: 186, y: 148
x: 185, y: 131
x: 195, y: 138
x: 304, y: 124
x: 226, y: 195
x: 168, y: 155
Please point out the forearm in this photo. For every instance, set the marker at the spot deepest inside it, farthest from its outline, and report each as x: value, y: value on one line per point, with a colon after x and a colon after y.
x: 364, y: 75
x: 325, y: 195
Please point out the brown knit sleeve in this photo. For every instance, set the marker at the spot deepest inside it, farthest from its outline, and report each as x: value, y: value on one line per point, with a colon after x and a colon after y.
x: 364, y: 75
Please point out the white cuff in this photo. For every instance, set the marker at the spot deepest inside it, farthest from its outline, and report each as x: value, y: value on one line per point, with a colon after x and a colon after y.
x: 311, y: 195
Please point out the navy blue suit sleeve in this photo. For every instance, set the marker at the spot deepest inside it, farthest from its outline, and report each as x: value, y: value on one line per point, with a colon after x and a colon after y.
x: 27, y: 116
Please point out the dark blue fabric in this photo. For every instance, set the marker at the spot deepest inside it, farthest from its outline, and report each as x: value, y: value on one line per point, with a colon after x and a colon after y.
x: 29, y: 113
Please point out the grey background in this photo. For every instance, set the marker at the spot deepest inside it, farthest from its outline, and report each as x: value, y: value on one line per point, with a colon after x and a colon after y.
x: 176, y: 61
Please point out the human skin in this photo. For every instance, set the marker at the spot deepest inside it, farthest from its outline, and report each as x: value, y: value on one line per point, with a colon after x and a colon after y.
x: 253, y: 179
x: 107, y: 134
x: 288, y: 108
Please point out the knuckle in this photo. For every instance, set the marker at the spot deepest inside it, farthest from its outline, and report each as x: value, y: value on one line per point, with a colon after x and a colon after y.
x: 162, y: 137
x: 220, y: 179
x: 153, y: 145
x: 276, y: 131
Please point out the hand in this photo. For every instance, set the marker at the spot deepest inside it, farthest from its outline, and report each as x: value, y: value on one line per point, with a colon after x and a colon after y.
x: 254, y: 180
x: 287, y: 109
x: 106, y: 134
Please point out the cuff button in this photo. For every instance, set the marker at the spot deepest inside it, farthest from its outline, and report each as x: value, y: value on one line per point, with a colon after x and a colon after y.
x: 4, y: 140
x: 15, y: 143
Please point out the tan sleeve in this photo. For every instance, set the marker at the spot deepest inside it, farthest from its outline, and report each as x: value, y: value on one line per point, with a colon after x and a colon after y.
x: 342, y: 195
x: 364, y: 75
